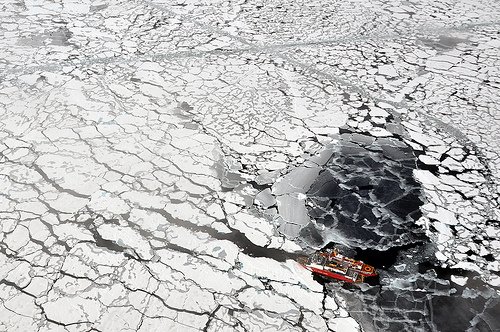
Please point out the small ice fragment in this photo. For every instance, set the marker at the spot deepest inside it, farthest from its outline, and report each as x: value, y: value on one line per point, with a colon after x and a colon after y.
x: 459, y: 280
x: 400, y: 267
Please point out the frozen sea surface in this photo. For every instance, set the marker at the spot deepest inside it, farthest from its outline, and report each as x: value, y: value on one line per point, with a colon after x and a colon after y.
x: 163, y: 164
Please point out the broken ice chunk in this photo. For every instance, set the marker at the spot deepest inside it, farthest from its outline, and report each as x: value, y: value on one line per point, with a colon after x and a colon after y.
x: 265, y: 198
x: 387, y: 70
x: 297, y: 181
x: 293, y: 209
x: 459, y: 280
x: 444, y: 216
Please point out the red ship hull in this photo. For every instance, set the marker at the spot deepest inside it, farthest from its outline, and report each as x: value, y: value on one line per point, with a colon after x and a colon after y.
x: 331, y: 264
x: 329, y: 274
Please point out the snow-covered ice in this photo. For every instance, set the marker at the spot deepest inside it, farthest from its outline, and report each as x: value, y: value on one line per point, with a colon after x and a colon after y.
x: 164, y: 163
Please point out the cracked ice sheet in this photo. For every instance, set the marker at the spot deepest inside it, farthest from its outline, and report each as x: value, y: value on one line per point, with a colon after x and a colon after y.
x: 114, y: 198
x: 114, y: 203
x: 451, y: 76
x: 271, y: 24
x: 59, y: 35
x: 442, y: 79
x: 459, y: 98
x: 265, y: 23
